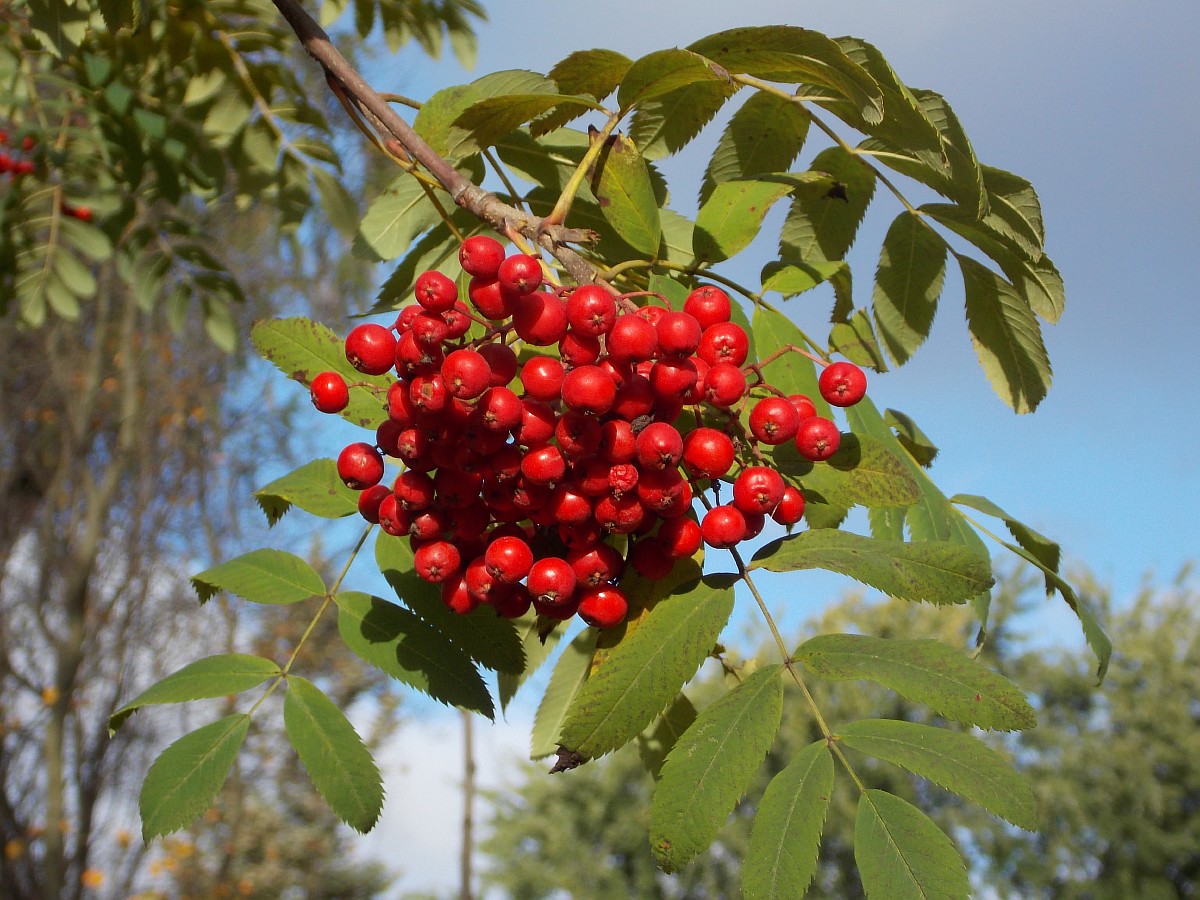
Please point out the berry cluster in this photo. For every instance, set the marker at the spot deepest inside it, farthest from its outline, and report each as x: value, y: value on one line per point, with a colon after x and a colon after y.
x: 17, y: 167
x: 522, y: 479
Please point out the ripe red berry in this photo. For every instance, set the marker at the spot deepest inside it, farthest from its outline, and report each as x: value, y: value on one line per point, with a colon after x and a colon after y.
x: 466, y: 374
x: 542, y: 377
x: 589, y: 389
x: 508, y: 558
x: 723, y: 527
x: 842, y: 383
x: 678, y: 333
x: 791, y: 507
x: 540, y: 318
x: 500, y: 410
x: 481, y: 256
x: 774, y: 420
x: 758, y: 489
x: 537, y: 423
x: 708, y: 305
x: 437, y: 561
x: 596, y: 564
x: 502, y: 361
x: 578, y: 349
x: 434, y: 291
x: 603, y: 607
x: 724, y: 342
x: 487, y: 297
x: 680, y: 536
x: 659, y: 446
x: 369, y: 501
x: 414, y: 490
x: 803, y: 405
x: 551, y: 581
x: 371, y: 348
x: 591, y: 310
x: 544, y: 465
x: 818, y: 438
x: 520, y: 274
x: 329, y: 392
x: 707, y: 452
x: 360, y: 465
x: 649, y: 559
x: 672, y: 377
x: 457, y: 596
x: 631, y: 340
x: 724, y: 385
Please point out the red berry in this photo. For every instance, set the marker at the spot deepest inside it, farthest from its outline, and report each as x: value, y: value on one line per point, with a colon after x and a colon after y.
x: 589, y: 389
x: 659, y: 446
x: 618, y: 443
x: 578, y: 434
x: 437, y: 561
x: 542, y: 377
x: 842, y: 383
x: 791, y: 507
x: 371, y: 348
x: 514, y: 604
x: 678, y: 333
x: 803, y: 405
x: 508, y: 559
x: 520, y: 274
x: 486, y: 296
x: 620, y: 515
x: 569, y: 505
x: 723, y: 527
x: 551, y: 581
x: 708, y: 305
x: 544, y: 465
x: 758, y: 489
x: 632, y: 339
x: 818, y: 438
x: 360, y: 466
x: 596, y: 564
x: 774, y: 420
x: 329, y: 392
x: 502, y: 362
x: 414, y: 490
x: 707, y: 452
x: 578, y: 349
x: 724, y: 385
x: 500, y: 409
x: 481, y: 256
x: 540, y: 318
x: 680, y: 536
x: 466, y: 374
x: 369, y: 501
x: 672, y: 377
x: 591, y: 310
x: 724, y: 342
x: 635, y: 398
x: 649, y: 559
x: 603, y: 607
x: 457, y: 597
x: 537, y: 423
x: 435, y: 292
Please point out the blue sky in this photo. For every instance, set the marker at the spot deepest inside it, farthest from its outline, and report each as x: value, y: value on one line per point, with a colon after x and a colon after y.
x: 1098, y: 104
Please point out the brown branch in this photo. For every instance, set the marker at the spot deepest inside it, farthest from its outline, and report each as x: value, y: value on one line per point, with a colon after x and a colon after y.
x: 391, y: 126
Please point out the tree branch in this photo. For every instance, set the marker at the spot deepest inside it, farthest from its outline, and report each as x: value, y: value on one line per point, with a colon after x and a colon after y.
x: 392, y: 127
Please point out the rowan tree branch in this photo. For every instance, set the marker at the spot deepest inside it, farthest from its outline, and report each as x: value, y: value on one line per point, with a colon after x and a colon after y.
x: 392, y: 127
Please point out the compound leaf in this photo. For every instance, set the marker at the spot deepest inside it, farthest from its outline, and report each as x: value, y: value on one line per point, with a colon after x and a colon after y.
x: 569, y: 675
x: 261, y: 576
x: 908, y: 282
x: 314, y: 487
x: 902, y: 855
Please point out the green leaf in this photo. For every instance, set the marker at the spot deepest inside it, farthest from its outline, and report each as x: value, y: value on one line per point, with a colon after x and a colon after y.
x: 410, y: 650
x: 958, y: 762
x: 337, y: 202
x: 261, y: 576
x: 711, y: 766
x: 863, y: 472
x: 965, y: 185
x: 622, y: 185
x: 795, y: 278
x: 86, y: 238
x: 781, y: 858
x: 488, y: 120
x: 536, y: 648
x: 1048, y: 552
x: 855, y: 339
x: 400, y: 213
x: 437, y: 249
x: 732, y: 216
x: 661, y: 73
x: 594, y: 72
x: 647, y: 669
x: 314, y: 487
x: 1040, y: 284
x: 933, y: 571
x: 484, y: 636
x: 214, y: 676
x: 912, y: 438
x: 764, y: 135
x: 569, y: 675
x: 949, y: 682
x: 337, y: 760
x: 789, y: 54
x: 908, y: 282
x: 302, y: 349
x: 184, y: 779
x: 1015, y: 202
x: 1007, y: 338
x: 666, y: 124
x: 663, y: 734
x: 902, y: 855
x: 823, y: 221
x: 436, y: 120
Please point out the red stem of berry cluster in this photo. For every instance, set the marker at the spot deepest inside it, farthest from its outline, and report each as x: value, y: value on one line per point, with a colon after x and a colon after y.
x: 392, y: 127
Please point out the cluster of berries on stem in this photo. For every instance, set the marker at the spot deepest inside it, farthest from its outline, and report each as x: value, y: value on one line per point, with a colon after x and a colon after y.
x: 536, y: 479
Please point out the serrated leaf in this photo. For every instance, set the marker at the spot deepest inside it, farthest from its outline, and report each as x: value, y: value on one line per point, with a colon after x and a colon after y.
x: 335, y: 757
x: 183, y: 781
x: 622, y: 185
x: 965, y: 174
x: 1007, y: 338
x: 483, y: 635
x: 781, y: 858
x: 435, y: 121
x: 902, y: 855
x: 821, y: 224
x: 410, y: 650
x: 958, y: 762
x: 488, y: 120
x: 594, y: 72
x: 933, y: 571
x: 1048, y: 552
x: 1015, y: 202
x: 732, y: 217
x: 790, y: 279
x: 302, y: 349
x: 711, y: 766
x: 854, y: 338
x: 661, y: 73
x: 912, y: 438
x: 908, y: 282
x: 664, y: 733
x: 765, y: 135
x: 789, y: 54
x: 666, y: 124
x: 339, y: 206
x: 950, y: 683
x: 314, y: 487
x: 1040, y: 284
x: 863, y: 472
x: 261, y: 576
x: 569, y: 675
x: 394, y: 218
x: 214, y: 676
x: 646, y: 670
